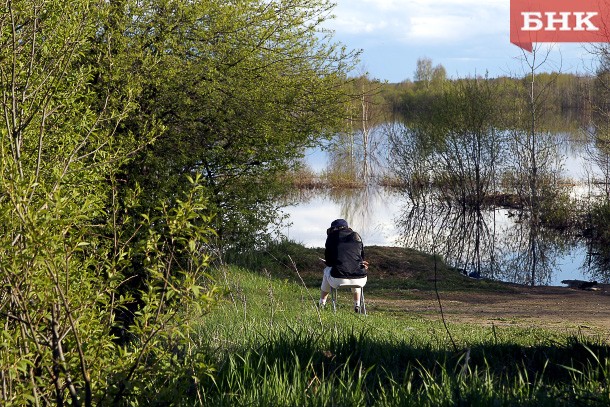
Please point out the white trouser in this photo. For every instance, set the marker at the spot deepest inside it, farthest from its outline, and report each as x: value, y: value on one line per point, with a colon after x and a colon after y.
x: 329, y: 281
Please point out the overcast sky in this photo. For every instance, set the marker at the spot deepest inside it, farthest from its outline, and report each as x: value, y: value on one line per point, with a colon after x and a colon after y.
x: 467, y: 37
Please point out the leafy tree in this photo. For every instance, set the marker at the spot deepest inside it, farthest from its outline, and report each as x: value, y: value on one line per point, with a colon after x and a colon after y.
x: 423, y: 71
x: 126, y: 126
x: 428, y: 75
x: 241, y: 88
x: 471, y: 152
x: 66, y: 241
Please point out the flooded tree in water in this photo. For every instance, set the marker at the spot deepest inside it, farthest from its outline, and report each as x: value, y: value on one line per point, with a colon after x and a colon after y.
x: 456, y: 146
x: 353, y: 153
x: 409, y: 152
x: 470, y: 149
x: 597, y: 262
x: 535, y: 167
x: 463, y: 153
x: 598, y: 130
x: 448, y: 161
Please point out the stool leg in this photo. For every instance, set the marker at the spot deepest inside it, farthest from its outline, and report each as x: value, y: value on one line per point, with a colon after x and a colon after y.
x: 362, y: 304
x: 333, y: 296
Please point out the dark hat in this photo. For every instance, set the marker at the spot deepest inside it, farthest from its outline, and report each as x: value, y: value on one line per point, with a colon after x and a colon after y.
x: 339, y: 223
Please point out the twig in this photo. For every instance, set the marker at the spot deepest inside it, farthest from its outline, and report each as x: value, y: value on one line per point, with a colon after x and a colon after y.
x: 59, y: 361
x: 440, y: 304
x: 438, y: 297
x: 294, y: 266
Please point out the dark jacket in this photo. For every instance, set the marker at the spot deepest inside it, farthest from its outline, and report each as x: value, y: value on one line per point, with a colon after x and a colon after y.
x: 344, y: 252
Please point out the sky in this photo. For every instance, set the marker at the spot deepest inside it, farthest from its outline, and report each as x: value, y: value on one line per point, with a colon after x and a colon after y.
x: 467, y: 37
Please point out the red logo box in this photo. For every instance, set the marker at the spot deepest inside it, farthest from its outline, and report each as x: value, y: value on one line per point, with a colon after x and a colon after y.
x: 534, y: 21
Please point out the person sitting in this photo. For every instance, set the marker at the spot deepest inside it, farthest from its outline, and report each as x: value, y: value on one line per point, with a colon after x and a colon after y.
x: 344, y: 258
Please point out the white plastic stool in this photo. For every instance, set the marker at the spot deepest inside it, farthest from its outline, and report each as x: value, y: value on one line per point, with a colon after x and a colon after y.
x: 333, y: 291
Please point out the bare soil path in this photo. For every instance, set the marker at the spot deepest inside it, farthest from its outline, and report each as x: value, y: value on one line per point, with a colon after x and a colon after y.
x: 547, y: 307
x: 405, y: 280
x: 402, y: 280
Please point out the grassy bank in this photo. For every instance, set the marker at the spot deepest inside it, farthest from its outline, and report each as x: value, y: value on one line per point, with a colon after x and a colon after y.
x: 272, y: 346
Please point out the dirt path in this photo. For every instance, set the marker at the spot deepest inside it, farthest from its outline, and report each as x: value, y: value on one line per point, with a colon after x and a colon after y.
x: 549, y: 307
x: 396, y: 272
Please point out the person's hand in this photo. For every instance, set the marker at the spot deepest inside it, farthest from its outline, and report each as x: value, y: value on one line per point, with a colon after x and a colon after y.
x: 365, y: 264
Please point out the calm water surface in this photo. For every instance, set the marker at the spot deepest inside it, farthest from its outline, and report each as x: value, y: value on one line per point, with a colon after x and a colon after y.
x: 385, y: 218
x: 495, y: 244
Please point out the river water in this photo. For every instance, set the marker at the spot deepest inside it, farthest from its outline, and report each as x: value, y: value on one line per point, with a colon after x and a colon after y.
x: 379, y: 214
x: 494, y: 243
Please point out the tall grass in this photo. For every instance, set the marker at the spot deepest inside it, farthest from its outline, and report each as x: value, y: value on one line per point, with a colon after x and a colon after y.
x: 272, y: 347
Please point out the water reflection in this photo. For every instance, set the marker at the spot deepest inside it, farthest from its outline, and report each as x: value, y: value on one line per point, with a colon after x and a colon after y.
x: 494, y: 243
x: 463, y: 238
x: 530, y: 253
x: 371, y: 211
x: 475, y: 239
x: 597, y: 262
x: 500, y: 244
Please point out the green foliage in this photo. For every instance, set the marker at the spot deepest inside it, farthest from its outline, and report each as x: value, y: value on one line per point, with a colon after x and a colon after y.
x: 600, y: 220
x: 67, y: 245
x: 132, y: 129
x: 161, y: 358
x: 240, y: 90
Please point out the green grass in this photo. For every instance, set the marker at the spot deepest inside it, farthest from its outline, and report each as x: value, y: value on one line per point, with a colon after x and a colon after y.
x: 416, y: 270
x: 272, y: 347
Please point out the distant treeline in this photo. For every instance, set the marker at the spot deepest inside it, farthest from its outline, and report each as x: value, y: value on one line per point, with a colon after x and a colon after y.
x: 567, y: 96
